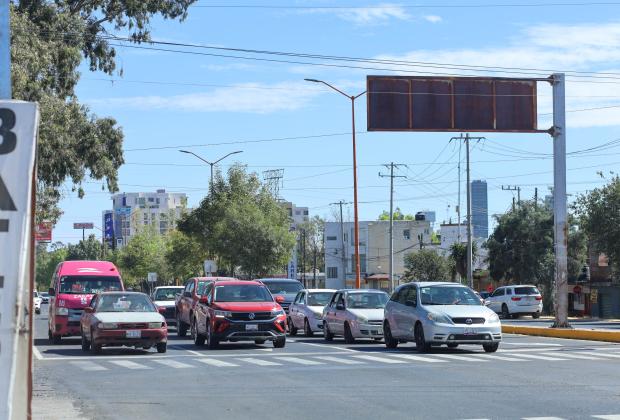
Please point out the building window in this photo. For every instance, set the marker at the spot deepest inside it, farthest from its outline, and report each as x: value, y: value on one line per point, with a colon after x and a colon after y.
x: 332, y: 272
x: 151, y: 200
x: 297, y: 212
x: 305, y: 212
x: 362, y: 263
x: 331, y: 238
x: 407, y: 234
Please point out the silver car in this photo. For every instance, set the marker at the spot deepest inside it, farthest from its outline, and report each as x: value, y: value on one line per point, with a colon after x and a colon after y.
x: 436, y: 313
x: 306, y: 311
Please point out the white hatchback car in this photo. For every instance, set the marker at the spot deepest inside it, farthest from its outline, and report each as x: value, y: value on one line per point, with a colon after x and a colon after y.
x: 37, y: 300
x: 512, y: 301
x: 306, y: 311
x: 355, y: 313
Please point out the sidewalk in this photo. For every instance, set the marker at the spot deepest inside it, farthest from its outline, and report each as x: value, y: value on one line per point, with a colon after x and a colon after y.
x: 582, y: 328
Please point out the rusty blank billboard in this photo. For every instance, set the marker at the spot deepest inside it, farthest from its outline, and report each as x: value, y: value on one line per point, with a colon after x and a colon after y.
x: 403, y: 103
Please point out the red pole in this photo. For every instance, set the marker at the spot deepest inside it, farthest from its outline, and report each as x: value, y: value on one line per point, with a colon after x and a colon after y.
x: 356, y: 219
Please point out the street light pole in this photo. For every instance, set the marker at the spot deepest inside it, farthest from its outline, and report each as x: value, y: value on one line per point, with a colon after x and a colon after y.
x: 211, y: 164
x: 355, y: 213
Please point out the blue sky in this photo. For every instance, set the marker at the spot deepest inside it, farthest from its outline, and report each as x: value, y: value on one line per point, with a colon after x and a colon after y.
x: 172, y: 100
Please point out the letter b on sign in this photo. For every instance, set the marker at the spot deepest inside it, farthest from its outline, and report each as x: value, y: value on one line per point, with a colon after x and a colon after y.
x: 9, y: 140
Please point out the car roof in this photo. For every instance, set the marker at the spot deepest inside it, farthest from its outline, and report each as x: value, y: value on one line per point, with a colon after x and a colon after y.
x: 215, y: 278
x: 121, y: 292
x: 170, y: 287
x: 91, y: 268
x: 273, y: 280
x: 319, y: 290
x: 236, y: 282
x: 360, y: 291
x: 435, y: 283
x: 519, y: 285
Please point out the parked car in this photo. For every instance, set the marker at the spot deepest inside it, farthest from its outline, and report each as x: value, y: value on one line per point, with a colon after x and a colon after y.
x: 438, y: 313
x: 165, y: 297
x: 354, y: 313
x: 238, y: 311
x: 185, y: 302
x: 287, y: 288
x: 513, y: 301
x: 45, y: 297
x: 484, y: 294
x: 306, y: 311
x: 37, y: 300
x: 479, y: 296
x: 73, y: 286
x: 123, y: 319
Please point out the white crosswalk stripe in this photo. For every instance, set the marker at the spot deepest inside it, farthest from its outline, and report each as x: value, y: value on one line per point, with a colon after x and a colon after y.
x: 172, y: 363
x: 85, y: 365
x: 497, y: 357
x: 379, y: 359
x: 608, y: 417
x: 539, y: 357
x: 601, y: 354
x: 417, y: 358
x: 129, y: 364
x: 299, y: 361
x: 259, y: 362
x: 215, y: 362
x: 543, y: 418
x: 573, y: 355
x: 461, y: 358
x: 343, y: 360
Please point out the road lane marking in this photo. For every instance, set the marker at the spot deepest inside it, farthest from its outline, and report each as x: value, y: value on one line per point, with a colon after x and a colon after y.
x: 539, y: 357
x: 195, y: 353
x: 573, y: 355
x: 608, y: 417
x: 461, y: 358
x: 344, y: 361
x: 85, y: 365
x: 267, y: 350
x: 330, y: 347
x: 601, y: 354
x: 299, y: 361
x: 37, y: 353
x: 379, y: 359
x: 543, y: 418
x: 259, y: 362
x: 417, y: 358
x: 498, y: 357
x: 532, y: 344
x: 128, y: 364
x: 173, y: 363
x: 215, y: 362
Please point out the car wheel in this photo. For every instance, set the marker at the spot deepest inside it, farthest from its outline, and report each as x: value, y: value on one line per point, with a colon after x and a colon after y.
x: 490, y: 348
x: 505, y: 312
x: 307, y: 330
x: 95, y: 348
x: 292, y: 329
x: 85, y: 343
x: 54, y: 339
x: 452, y: 345
x: 348, y: 336
x: 161, y: 347
x: 199, y: 339
x: 37, y: 311
x: 420, y: 342
x: 279, y: 342
x: 327, y: 334
x: 390, y: 342
x: 259, y: 342
x: 181, y: 328
x: 212, y: 342
x: 536, y: 315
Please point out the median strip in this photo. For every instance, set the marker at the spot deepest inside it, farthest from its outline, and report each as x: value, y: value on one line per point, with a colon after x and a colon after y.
x: 570, y: 333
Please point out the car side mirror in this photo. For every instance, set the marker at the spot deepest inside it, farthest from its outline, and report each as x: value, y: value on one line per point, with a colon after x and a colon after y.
x: 280, y: 299
x: 187, y: 294
x: 89, y: 310
x: 411, y: 303
x: 161, y: 310
x: 340, y: 307
x: 486, y: 303
x: 51, y: 291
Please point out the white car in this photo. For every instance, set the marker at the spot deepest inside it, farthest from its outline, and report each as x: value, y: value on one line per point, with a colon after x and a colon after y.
x: 164, y: 297
x: 306, y: 311
x: 354, y: 313
x: 37, y: 302
x: 512, y: 301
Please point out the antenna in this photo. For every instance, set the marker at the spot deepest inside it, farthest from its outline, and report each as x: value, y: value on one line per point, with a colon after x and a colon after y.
x: 273, y: 179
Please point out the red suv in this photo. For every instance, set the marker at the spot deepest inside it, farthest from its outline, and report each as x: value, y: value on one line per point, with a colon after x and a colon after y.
x: 238, y: 311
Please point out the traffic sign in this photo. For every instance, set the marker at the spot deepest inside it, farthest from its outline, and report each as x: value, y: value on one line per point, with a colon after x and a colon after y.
x: 151, y: 277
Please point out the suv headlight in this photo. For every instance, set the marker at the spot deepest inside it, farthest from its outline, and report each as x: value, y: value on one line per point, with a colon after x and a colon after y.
x: 62, y: 311
x: 107, y: 325
x: 438, y: 318
x: 277, y: 312
x: 223, y: 314
x: 318, y: 315
x: 156, y: 325
x: 361, y: 319
x: 493, y: 318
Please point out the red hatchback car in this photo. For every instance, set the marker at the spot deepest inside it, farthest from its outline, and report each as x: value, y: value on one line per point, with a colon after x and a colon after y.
x: 238, y: 311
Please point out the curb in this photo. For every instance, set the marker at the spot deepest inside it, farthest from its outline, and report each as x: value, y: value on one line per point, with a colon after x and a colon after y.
x: 575, y: 334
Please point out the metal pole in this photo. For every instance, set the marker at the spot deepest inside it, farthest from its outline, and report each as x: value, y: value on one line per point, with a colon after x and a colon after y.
x: 392, y: 225
x: 559, y: 202
x: 355, y: 214
x: 211, y: 185
x: 470, y: 275
x: 5, y: 50
x: 458, y: 206
x: 344, y: 256
x: 83, y: 235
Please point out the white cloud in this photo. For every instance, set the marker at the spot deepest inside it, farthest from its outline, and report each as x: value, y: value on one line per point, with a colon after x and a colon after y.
x: 371, y: 15
x: 248, y: 97
x: 433, y: 18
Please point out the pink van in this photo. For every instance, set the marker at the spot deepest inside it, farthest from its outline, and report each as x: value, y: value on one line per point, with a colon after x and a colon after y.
x: 73, y: 286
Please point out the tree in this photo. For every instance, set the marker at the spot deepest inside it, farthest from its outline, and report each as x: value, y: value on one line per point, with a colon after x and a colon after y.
x: 49, y: 39
x: 46, y: 262
x: 398, y: 215
x: 242, y: 224
x: 89, y: 249
x: 426, y: 265
x: 458, y: 254
x: 598, y: 213
x: 314, y: 243
x: 184, y: 255
x: 144, y: 253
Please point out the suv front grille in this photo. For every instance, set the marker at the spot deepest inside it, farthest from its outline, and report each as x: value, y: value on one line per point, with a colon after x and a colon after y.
x: 132, y: 326
x: 375, y: 322
x: 245, y: 316
x: 464, y: 320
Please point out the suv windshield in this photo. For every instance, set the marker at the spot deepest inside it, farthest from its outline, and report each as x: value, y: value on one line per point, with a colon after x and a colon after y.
x: 319, y: 298
x: 242, y: 293
x: 448, y: 295
x: 89, y: 284
x: 118, y: 302
x: 366, y: 300
x: 282, y: 287
x: 530, y: 290
x: 167, y: 293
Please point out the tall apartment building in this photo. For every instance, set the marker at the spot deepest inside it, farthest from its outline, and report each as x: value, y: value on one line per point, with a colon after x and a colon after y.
x: 297, y: 216
x: 480, y: 209
x: 132, y: 211
x: 374, y: 248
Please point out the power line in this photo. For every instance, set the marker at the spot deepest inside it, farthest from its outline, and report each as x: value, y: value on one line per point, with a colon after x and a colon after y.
x: 406, y: 6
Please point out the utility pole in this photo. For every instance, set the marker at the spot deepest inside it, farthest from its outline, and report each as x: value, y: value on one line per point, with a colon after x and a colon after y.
x: 5, y: 50
x: 513, y: 188
x: 470, y: 264
x: 344, y: 256
x: 458, y: 204
x: 303, y: 256
x: 391, y: 166
x: 536, y: 198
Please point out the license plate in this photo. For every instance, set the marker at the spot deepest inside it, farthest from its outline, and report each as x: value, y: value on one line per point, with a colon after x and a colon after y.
x: 251, y: 327
x: 469, y: 331
x: 133, y: 334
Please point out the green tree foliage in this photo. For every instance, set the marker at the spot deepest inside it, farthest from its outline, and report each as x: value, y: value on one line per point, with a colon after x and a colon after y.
x: 184, y: 256
x: 599, y: 216
x: 49, y: 39
x: 46, y: 262
x: 89, y: 249
x: 314, y: 244
x: 458, y: 254
x: 426, y: 265
x: 242, y: 224
x: 144, y: 253
x: 398, y: 215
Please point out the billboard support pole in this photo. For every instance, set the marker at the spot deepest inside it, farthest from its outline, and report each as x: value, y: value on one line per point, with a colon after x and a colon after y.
x: 560, y: 225
x: 5, y: 50
x: 470, y: 268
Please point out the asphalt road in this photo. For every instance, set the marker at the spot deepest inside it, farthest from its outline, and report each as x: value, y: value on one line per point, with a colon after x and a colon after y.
x: 529, y: 377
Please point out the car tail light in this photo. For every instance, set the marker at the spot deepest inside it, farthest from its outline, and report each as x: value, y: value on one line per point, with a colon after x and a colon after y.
x: 515, y: 298
x: 538, y: 297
